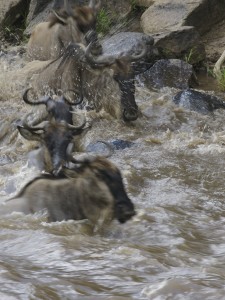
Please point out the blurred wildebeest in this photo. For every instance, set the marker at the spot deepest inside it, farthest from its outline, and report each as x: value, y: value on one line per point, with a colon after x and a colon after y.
x: 94, y: 191
x: 105, y: 82
x: 66, y: 25
x: 56, y: 138
x: 60, y: 108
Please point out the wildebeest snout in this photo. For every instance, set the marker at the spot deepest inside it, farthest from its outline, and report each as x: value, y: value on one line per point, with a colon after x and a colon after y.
x: 124, y: 211
x: 130, y: 114
x: 123, y: 206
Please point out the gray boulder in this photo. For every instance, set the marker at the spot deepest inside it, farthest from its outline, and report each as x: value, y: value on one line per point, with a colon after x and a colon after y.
x: 168, y: 72
x: 165, y: 14
x: 177, y: 26
x: 200, y: 102
x: 130, y: 43
x: 181, y: 42
x: 101, y: 148
x: 11, y: 11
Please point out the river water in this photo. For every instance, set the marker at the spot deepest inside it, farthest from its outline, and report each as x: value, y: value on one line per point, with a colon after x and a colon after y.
x: 174, y: 247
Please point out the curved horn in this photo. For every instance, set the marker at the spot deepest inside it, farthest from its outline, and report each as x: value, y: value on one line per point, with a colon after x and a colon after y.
x: 99, y: 60
x: 79, y: 126
x: 66, y: 5
x: 94, y: 5
x: 43, y: 100
x: 19, y: 127
x: 37, y: 128
x: 84, y: 160
x: 60, y: 19
x: 140, y: 55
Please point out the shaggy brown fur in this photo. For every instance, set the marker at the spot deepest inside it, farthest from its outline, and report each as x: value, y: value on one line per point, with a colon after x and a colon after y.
x: 93, y: 191
x: 49, y: 39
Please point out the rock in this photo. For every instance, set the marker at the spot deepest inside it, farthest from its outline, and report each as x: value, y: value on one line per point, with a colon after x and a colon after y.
x: 34, y: 19
x: 198, y: 101
x: 130, y: 43
x: 116, y: 9
x: 101, y: 148
x: 113, y: 10
x: 168, y: 72
x: 165, y: 14
x: 144, y: 3
x: 12, y: 19
x: 121, y: 144
x: 36, y: 7
x: 182, y: 42
x: 39, y: 11
x: 177, y: 25
x: 214, y: 41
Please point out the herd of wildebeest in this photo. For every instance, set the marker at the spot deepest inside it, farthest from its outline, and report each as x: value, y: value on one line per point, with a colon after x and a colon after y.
x: 71, y: 188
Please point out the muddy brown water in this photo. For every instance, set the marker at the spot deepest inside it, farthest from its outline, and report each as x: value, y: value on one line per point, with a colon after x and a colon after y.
x: 173, y: 249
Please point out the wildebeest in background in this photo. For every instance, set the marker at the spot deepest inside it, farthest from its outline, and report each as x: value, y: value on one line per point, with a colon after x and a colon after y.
x: 60, y: 108
x: 105, y: 82
x: 66, y: 25
x: 56, y: 138
x: 94, y: 191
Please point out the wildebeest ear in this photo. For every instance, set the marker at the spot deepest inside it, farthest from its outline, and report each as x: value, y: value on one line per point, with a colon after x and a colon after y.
x: 84, y: 16
x: 59, y: 17
x: 28, y: 134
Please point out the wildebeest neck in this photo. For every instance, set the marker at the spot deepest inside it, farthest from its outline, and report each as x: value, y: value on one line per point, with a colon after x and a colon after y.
x: 127, y: 89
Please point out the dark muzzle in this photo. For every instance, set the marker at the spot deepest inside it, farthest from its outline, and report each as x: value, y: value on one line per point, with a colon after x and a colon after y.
x: 130, y: 114
x: 124, y: 212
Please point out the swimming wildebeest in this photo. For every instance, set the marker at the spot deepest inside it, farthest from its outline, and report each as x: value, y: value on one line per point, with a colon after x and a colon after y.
x: 105, y: 82
x: 56, y: 138
x: 66, y: 25
x: 94, y: 190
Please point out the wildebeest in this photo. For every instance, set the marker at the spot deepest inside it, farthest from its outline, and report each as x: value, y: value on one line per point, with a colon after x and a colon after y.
x: 94, y: 191
x: 66, y: 25
x: 105, y: 82
x: 56, y: 138
x: 60, y: 108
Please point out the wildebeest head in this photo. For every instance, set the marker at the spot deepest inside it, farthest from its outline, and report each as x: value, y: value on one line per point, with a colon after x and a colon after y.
x: 124, y: 75
x: 56, y: 139
x: 77, y: 69
x: 82, y: 17
x: 107, y: 172
x: 59, y: 109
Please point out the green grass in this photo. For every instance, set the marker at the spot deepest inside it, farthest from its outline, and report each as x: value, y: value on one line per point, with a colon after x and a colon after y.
x: 188, y: 56
x: 133, y: 4
x: 103, y: 22
x: 221, y: 80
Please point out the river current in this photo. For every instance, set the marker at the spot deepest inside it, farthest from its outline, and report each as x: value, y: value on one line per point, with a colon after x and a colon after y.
x: 174, y: 247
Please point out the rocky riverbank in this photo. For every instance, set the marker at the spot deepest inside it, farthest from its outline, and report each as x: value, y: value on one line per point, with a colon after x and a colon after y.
x: 192, y: 31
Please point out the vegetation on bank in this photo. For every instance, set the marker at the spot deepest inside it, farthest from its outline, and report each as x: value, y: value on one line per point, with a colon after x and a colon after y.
x: 108, y: 20
x: 221, y: 80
